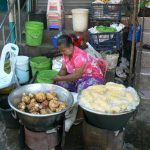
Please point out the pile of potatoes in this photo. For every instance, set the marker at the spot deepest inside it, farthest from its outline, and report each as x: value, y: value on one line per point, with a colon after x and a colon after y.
x: 41, y: 103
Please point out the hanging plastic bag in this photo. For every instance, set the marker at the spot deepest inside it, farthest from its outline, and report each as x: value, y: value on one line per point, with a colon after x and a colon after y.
x: 10, y: 51
x: 91, y: 51
x: 138, y: 33
x: 112, y: 60
x: 57, y: 63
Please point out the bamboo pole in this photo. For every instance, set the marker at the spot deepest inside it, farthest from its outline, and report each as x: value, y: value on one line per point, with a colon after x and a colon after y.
x: 134, y: 18
x: 139, y: 54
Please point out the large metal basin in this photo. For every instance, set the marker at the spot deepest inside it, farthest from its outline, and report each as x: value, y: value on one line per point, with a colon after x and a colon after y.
x: 107, y: 121
x: 36, y: 122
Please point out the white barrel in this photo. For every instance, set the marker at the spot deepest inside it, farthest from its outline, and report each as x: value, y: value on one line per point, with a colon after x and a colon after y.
x: 80, y: 19
x: 22, y: 69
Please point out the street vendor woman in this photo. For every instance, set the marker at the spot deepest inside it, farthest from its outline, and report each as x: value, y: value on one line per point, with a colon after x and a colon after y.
x: 79, y: 70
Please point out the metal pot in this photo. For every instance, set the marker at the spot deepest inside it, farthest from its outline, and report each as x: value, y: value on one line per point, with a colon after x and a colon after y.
x: 37, y: 122
x: 107, y: 121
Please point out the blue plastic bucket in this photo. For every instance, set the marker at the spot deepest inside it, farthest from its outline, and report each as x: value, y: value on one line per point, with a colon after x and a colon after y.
x: 55, y: 41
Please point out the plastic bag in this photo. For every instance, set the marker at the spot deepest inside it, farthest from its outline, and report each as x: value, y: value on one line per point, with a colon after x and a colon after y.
x: 57, y: 63
x: 91, y: 51
x: 112, y: 60
x: 8, y: 55
x: 71, y: 114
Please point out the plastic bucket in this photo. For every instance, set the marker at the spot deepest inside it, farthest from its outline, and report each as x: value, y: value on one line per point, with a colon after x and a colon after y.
x: 40, y: 63
x: 55, y: 41
x: 34, y: 33
x: 46, y: 76
x: 80, y: 19
x: 6, y: 114
x: 22, y: 69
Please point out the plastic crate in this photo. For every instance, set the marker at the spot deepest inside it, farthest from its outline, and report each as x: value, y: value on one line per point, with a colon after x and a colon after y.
x: 106, y: 11
x: 106, y: 41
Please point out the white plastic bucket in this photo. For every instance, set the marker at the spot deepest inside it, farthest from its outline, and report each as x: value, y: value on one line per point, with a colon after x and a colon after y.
x: 80, y: 19
x: 22, y: 69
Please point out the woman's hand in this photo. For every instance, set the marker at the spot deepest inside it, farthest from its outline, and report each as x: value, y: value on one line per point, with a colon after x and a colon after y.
x: 57, y: 78
x: 63, y: 70
x: 71, y: 77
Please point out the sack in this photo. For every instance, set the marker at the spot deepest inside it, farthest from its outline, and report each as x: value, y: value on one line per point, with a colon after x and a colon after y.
x: 112, y: 60
x: 138, y: 33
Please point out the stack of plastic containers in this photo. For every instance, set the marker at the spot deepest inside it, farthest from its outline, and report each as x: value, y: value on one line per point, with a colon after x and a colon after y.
x: 55, y: 14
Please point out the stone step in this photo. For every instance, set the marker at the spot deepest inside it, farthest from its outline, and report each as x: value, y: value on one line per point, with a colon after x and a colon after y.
x: 145, y: 71
x: 146, y: 36
x: 145, y: 58
x: 45, y: 49
x: 138, y: 128
x: 145, y: 96
x: 146, y: 22
x: 146, y: 32
x: 145, y: 61
x: 142, y: 80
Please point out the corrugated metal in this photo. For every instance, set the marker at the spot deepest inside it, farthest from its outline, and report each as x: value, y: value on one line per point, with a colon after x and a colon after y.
x: 42, y: 5
x: 68, y: 4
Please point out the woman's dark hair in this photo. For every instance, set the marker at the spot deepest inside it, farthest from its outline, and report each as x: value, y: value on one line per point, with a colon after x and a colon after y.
x: 65, y: 40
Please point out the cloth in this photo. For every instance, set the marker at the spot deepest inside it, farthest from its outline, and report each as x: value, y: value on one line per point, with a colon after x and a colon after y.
x: 119, y: 27
x: 71, y: 114
x: 79, y: 59
x: 105, y: 29
x: 80, y: 84
x: 57, y: 63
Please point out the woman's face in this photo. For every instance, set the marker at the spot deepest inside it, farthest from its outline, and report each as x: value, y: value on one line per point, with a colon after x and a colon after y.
x: 66, y: 50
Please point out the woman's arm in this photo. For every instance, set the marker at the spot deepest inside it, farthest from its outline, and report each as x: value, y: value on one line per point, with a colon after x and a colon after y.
x: 63, y: 71
x: 71, y: 77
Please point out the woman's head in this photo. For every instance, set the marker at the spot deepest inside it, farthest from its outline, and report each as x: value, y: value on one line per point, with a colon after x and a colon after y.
x: 65, y: 44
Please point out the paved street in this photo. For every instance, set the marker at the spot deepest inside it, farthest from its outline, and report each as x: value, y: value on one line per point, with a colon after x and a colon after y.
x: 9, y: 139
